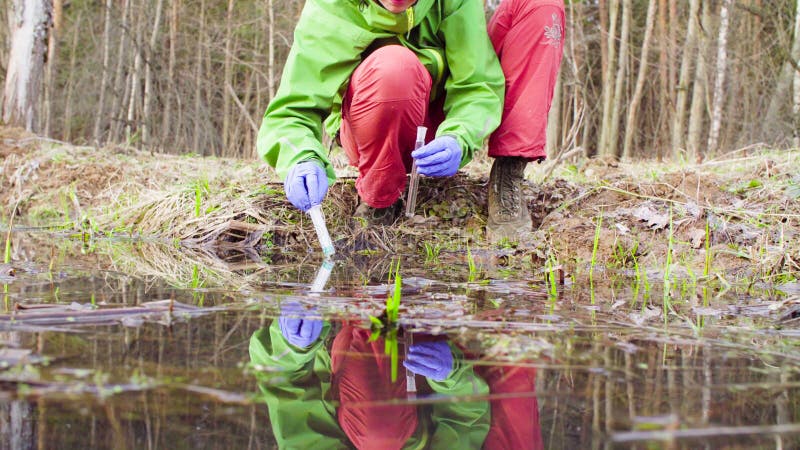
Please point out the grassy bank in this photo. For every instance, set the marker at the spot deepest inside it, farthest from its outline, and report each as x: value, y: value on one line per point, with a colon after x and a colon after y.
x: 736, y: 217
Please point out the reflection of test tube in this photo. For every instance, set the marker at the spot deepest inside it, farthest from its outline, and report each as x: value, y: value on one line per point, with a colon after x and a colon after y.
x: 323, y: 273
x: 411, y: 382
x: 413, y: 182
x: 322, y: 231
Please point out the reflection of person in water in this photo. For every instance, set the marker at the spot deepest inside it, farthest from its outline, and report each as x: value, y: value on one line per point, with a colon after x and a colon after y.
x: 347, y: 399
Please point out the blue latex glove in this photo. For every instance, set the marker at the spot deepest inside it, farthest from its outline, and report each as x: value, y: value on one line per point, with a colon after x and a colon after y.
x: 439, y: 157
x: 306, y: 184
x: 433, y: 360
x: 297, y: 330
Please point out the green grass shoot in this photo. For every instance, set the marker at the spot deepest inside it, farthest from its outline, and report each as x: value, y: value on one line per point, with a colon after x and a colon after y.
x: 473, y: 269
x: 595, y: 245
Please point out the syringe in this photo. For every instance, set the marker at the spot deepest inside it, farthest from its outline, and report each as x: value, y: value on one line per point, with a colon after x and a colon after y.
x: 322, y: 230
x: 413, y: 182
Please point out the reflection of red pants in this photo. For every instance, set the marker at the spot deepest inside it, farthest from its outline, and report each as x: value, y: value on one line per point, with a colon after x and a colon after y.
x: 515, y: 420
x: 361, y: 374
x: 389, y: 92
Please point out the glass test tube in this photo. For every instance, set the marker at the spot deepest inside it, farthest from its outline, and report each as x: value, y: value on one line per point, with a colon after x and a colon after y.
x: 413, y: 182
x: 322, y: 230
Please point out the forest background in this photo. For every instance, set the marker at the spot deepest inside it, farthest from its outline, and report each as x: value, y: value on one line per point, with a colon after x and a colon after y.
x: 676, y: 79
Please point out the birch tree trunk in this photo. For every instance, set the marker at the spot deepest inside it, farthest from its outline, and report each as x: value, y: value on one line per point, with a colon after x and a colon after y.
x: 70, y: 83
x: 719, y: 81
x: 630, y: 123
x: 608, y: 85
x: 31, y: 20
x: 698, y: 105
x: 99, y: 117
x: 622, y: 69
x: 678, y: 123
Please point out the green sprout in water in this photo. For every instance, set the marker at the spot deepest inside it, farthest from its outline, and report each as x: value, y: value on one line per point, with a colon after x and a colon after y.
x: 388, y: 323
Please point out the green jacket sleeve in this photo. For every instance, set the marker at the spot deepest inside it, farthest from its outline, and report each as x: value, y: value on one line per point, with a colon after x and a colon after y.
x: 475, y: 87
x: 295, y: 384
x: 325, y: 52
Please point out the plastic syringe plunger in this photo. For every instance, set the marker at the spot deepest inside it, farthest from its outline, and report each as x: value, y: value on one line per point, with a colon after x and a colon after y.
x: 322, y: 230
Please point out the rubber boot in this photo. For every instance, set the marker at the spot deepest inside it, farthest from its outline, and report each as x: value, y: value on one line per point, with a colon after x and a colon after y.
x: 509, y: 218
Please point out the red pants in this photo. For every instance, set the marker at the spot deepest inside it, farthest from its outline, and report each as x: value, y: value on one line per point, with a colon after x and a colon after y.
x: 389, y: 92
x: 515, y: 419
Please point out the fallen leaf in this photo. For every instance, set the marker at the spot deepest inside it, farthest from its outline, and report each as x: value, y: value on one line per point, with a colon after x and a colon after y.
x: 654, y: 220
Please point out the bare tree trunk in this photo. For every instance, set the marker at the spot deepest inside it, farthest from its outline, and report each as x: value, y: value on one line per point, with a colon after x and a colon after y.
x: 198, y: 75
x: 271, y: 57
x: 227, y: 78
x: 52, y: 57
x: 719, y: 83
x: 622, y: 69
x: 70, y: 83
x: 796, y: 58
x: 119, y: 76
x: 26, y: 63
x: 698, y: 106
x: 608, y: 85
x: 99, y: 118
x: 630, y: 123
x: 554, y: 120
x: 171, y: 96
x: 148, y: 74
x: 663, y: 73
x: 678, y: 122
x: 133, y: 101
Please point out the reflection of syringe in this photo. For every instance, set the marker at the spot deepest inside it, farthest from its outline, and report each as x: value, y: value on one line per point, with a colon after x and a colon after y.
x: 323, y: 274
x: 411, y: 382
x: 413, y: 181
x: 322, y: 230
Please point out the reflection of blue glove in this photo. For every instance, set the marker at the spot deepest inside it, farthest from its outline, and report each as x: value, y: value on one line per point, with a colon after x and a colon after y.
x: 298, y: 331
x: 439, y: 157
x: 433, y: 360
x: 306, y: 184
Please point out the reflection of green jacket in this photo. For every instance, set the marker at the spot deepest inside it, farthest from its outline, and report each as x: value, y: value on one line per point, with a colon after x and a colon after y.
x: 448, y: 36
x: 304, y: 416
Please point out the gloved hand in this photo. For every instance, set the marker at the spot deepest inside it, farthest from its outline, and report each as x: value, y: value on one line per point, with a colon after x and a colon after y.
x: 297, y: 330
x: 433, y: 360
x: 306, y: 184
x: 439, y: 157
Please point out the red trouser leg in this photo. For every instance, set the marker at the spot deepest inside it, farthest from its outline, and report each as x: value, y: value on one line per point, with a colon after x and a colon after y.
x: 528, y: 38
x: 515, y: 414
x: 385, y: 102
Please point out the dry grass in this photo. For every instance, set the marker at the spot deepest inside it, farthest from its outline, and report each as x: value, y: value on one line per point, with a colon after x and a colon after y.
x: 750, y: 199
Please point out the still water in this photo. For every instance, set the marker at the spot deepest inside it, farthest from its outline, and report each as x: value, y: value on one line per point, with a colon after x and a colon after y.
x: 135, y: 345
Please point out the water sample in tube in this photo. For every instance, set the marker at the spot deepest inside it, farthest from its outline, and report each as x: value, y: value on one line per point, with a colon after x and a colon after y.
x: 323, y: 274
x: 413, y: 182
x: 322, y: 230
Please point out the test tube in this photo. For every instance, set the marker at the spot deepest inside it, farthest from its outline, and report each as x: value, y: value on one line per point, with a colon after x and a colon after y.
x: 413, y: 182
x: 322, y: 230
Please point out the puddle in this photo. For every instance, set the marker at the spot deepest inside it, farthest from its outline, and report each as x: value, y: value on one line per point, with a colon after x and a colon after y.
x: 144, y: 345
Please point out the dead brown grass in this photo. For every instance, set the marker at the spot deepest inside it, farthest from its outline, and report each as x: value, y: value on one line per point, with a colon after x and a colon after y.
x: 749, y: 200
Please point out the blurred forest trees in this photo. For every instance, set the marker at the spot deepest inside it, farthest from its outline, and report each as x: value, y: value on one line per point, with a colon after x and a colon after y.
x: 674, y: 79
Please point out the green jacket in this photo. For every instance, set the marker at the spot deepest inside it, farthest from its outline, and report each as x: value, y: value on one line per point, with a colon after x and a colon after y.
x: 448, y: 36
x: 296, y: 383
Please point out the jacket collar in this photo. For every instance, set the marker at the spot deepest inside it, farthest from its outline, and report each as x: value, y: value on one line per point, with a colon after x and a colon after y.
x: 380, y: 19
